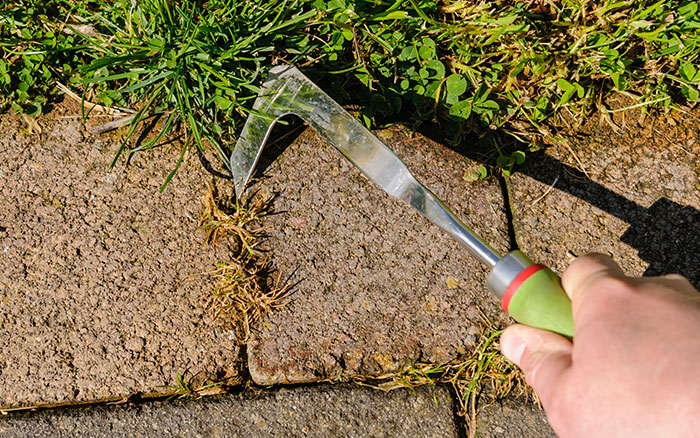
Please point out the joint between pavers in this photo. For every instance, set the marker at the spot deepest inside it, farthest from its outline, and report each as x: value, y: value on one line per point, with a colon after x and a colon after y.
x: 504, y: 183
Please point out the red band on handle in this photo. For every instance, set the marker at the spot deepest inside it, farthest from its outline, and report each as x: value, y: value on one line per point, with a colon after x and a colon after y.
x: 517, y: 282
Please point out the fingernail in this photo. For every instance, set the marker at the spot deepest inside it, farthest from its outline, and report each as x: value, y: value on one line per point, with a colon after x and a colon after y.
x: 512, y: 346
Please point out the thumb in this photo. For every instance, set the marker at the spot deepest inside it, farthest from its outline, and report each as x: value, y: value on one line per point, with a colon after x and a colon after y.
x: 543, y: 356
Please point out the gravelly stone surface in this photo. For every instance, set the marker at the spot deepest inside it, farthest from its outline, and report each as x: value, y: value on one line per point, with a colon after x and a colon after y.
x: 321, y: 411
x: 101, y: 286
x: 378, y: 285
x: 512, y: 418
x: 641, y: 203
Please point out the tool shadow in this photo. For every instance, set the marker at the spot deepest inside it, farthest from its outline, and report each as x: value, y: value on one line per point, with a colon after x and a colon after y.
x: 665, y: 234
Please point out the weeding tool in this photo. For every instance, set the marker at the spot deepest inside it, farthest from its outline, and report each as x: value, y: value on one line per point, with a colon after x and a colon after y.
x: 529, y: 292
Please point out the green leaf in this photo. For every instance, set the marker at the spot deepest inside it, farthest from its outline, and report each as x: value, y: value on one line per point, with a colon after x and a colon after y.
x: 597, y: 40
x: 565, y: 85
x: 482, y: 93
x: 689, y: 73
x: 222, y: 102
x: 518, y: 157
x: 488, y: 105
x: 641, y: 24
x: 617, y: 80
x: 432, y: 88
x: 507, y: 19
x: 437, y: 67
x: 505, y: 163
x: 407, y: 54
x: 367, y: 121
x: 671, y: 49
x: 568, y: 88
x: 690, y: 93
x: 34, y: 109
x: 461, y: 109
x: 480, y: 173
x: 427, y: 49
x: 687, y: 9
x: 127, y: 75
x: 162, y: 75
x: 456, y: 85
x: 610, y: 53
x: 609, y: 7
x: 157, y: 43
x: 393, y: 15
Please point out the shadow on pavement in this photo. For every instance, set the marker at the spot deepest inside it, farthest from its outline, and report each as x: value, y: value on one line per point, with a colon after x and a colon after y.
x: 666, y: 234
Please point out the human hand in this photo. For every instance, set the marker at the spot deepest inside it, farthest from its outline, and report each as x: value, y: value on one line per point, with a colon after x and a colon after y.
x: 634, y: 367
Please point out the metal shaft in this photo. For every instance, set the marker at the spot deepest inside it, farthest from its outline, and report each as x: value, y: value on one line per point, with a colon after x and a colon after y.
x: 287, y: 91
x: 432, y: 208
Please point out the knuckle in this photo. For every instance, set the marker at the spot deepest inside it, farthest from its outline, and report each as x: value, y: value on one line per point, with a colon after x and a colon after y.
x: 607, y: 286
x: 679, y: 280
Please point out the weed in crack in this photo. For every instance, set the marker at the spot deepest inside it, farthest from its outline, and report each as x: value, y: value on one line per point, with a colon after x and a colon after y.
x: 230, y: 216
x: 243, y: 296
x: 191, y: 388
x: 484, y: 377
x: 244, y: 290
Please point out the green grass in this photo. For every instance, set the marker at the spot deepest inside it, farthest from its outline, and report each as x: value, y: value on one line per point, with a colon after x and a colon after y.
x: 191, y: 388
x: 515, y: 68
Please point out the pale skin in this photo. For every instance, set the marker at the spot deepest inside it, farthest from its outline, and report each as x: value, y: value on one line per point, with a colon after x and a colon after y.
x: 634, y: 367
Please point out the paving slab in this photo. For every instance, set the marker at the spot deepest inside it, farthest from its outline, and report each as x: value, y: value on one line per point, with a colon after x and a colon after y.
x: 319, y: 411
x: 638, y: 200
x: 102, y: 292
x: 512, y: 418
x: 376, y: 285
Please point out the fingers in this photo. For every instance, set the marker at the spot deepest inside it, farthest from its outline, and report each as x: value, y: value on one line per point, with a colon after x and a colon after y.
x: 584, y: 277
x: 543, y: 356
x: 585, y: 270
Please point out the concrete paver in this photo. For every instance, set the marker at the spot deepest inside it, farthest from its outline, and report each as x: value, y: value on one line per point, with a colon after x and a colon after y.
x: 102, y: 292
x: 639, y: 202
x: 319, y: 411
x: 377, y: 285
x: 512, y: 418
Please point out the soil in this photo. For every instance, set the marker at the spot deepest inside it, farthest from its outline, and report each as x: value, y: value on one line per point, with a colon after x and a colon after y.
x: 104, y: 284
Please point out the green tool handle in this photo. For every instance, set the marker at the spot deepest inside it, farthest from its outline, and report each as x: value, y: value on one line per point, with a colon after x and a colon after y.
x: 539, y: 301
x: 532, y: 294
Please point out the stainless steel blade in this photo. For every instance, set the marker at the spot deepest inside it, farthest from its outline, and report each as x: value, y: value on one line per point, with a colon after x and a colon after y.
x: 287, y: 91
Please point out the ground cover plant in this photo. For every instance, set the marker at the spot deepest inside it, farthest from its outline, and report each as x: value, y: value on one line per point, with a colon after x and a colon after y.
x: 513, y: 68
